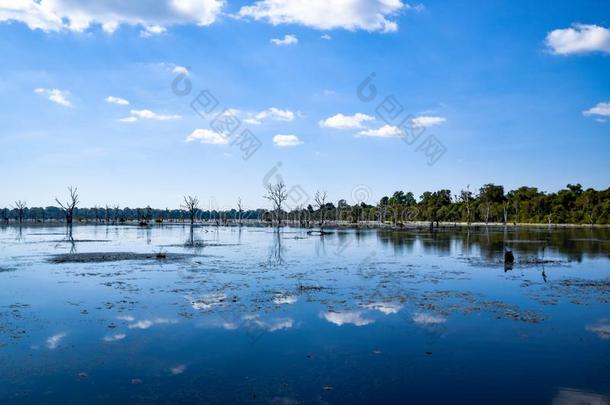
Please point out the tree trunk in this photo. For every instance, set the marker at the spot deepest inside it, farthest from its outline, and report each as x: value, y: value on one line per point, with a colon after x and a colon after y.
x: 487, y: 214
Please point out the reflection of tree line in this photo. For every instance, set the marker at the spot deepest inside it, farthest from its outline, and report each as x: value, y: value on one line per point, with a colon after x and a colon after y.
x: 570, y: 243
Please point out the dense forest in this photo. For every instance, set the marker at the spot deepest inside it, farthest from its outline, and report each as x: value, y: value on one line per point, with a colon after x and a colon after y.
x: 489, y: 204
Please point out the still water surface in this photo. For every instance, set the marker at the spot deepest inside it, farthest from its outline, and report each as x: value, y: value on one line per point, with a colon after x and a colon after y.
x: 250, y: 315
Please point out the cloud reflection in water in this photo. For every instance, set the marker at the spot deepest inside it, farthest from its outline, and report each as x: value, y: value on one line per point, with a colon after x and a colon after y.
x: 346, y: 318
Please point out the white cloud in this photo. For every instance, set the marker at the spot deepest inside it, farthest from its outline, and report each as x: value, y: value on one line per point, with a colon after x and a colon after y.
x: 116, y: 100
x: 170, y: 67
x: 428, y: 319
x: 78, y: 15
x: 386, y: 131
x: 341, y: 121
x: 580, y: 38
x: 601, y: 109
x: 114, y: 338
x: 369, y: 15
x: 148, y: 115
x: 128, y: 119
x: 273, y: 113
x: 276, y: 114
x: 207, y: 136
x: 53, y: 341
x: 425, y: 121
x: 386, y: 308
x: 180, y: 70
x: 231, y: 112
x: 326, y: 37
x: 152, y: 30
x: 286, y: 140
x: 287, y: 40
x: 347, y: 317
x: 55, y: 95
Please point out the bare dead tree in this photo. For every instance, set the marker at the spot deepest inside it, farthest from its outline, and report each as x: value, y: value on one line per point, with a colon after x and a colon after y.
x: 191, y: 204
x: 70, y: 205
x: 240, y: 210
x: 115, y: 216
x: 20, y: 206
x: 277, y: 194
x: 320, y: 202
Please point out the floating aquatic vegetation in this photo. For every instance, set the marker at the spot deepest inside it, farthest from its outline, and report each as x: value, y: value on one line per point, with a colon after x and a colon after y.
x: 101, y: 257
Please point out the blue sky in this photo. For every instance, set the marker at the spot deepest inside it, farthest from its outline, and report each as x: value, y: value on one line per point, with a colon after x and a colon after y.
x: 517, y: 92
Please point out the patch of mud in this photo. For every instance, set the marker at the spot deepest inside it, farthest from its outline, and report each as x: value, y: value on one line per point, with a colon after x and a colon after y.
x: 79, y: 241
x: 103, y: 257
x: 200, y: 244
x: 307, y: 288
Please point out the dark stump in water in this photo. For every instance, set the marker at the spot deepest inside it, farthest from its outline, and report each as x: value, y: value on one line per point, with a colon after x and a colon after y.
x: 509, y: 260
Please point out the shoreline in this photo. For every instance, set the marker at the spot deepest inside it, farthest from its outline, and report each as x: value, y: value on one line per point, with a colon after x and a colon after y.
x: 328, y: 225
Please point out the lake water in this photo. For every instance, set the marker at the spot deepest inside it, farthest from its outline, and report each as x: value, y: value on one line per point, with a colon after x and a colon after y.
x: 254, y: 316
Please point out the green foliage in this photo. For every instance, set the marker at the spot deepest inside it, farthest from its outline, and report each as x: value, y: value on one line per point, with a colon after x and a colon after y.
x: 572, y: 205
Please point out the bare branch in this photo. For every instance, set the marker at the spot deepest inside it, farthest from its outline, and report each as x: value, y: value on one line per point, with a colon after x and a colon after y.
x: 320, y: 202
x: 240, y: 209
x: 277, y: 194
x: 191, y: 204
x: 20, y: 206
x: 70, y: 205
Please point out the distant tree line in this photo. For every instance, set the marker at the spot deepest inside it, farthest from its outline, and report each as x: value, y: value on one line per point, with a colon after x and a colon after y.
x: 115, y: 215
x: 488, y: 204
